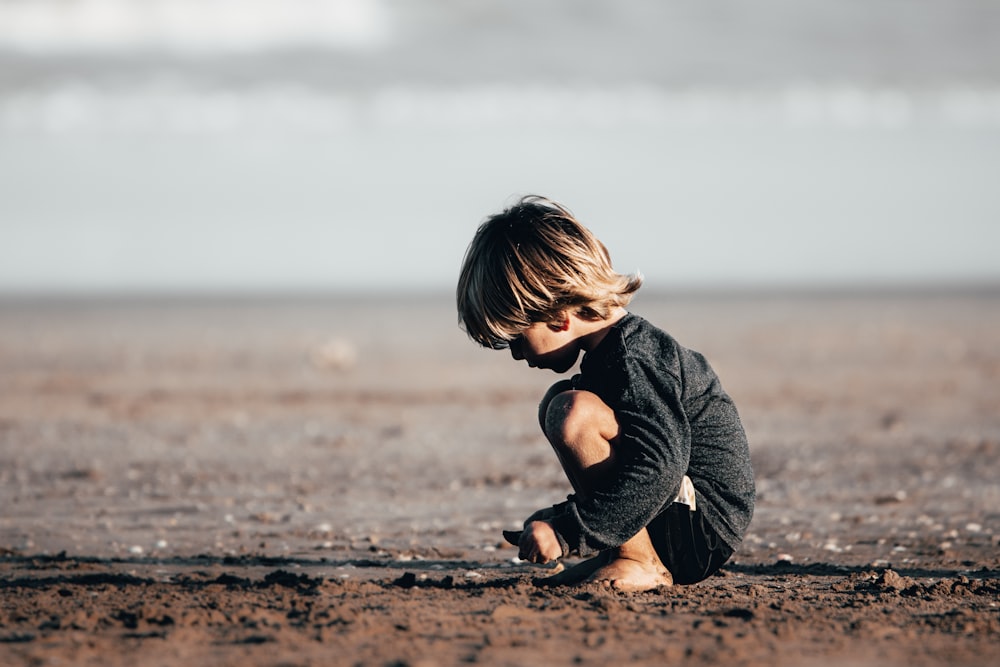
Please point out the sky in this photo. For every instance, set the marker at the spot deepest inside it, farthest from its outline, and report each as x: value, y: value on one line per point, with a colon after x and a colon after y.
x: 276, y: 145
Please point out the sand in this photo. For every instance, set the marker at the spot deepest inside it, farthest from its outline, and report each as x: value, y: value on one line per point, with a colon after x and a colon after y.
x: 317, y: 481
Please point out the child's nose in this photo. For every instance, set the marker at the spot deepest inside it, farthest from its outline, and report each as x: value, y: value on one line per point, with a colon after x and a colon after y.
x: 515, y: 349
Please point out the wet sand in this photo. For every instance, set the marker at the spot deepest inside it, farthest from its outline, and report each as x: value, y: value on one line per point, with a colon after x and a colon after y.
x: 315, y: 481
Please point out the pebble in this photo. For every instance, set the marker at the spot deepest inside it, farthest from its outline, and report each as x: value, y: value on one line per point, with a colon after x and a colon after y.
x: 335, y: 354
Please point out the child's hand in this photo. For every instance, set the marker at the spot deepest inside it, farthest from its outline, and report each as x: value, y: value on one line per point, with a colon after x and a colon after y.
x: 539, y: 543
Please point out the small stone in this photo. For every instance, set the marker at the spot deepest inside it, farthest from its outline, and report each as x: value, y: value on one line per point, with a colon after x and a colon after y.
x: 408, y: 580
x: 892, y: 580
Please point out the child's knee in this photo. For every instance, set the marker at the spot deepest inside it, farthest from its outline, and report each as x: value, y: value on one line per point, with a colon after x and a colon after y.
x: 543, y: 407
x: 574, y: 415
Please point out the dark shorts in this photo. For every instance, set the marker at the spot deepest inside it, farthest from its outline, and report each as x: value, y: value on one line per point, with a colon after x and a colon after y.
x: 687, y: 545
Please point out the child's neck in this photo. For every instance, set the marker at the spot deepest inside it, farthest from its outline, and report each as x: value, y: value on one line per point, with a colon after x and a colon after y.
x: 594, y: 331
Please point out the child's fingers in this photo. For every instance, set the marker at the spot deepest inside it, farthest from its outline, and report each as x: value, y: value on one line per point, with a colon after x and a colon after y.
x: 514, y: 537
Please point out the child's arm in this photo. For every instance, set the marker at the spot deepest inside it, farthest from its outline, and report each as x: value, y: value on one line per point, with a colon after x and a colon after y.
x: 651, y: 458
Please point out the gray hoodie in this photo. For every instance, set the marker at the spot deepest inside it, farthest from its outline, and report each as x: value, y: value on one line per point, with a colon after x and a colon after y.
x: 675, y: 420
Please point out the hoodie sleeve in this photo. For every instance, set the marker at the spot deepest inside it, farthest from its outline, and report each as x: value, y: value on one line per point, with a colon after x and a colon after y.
x: 652, y: 455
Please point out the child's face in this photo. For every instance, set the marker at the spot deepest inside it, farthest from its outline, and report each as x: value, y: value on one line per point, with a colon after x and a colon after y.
x: 546, y: 345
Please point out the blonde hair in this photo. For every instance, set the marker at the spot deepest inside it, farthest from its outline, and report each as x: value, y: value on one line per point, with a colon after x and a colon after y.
x: 531, y: 263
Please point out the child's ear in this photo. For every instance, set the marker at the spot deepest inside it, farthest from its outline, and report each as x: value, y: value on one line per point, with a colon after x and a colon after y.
x: 560, y: 324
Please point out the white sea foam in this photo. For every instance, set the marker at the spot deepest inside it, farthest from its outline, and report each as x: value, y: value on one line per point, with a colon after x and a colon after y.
x: 60, y: 26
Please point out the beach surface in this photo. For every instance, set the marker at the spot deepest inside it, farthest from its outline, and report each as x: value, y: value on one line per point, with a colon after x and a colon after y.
x: 324, y: 480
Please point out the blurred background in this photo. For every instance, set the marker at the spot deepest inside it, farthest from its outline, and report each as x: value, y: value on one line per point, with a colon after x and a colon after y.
x: 282, y: 145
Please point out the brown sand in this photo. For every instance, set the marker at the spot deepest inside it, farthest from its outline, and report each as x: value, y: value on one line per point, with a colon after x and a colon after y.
x: 316, y: 482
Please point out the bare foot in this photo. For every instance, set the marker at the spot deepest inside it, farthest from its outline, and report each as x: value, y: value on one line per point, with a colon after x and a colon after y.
x: 625, y: 574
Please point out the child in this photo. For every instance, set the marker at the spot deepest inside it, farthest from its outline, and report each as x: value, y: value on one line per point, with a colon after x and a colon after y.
x: 650, y: 442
